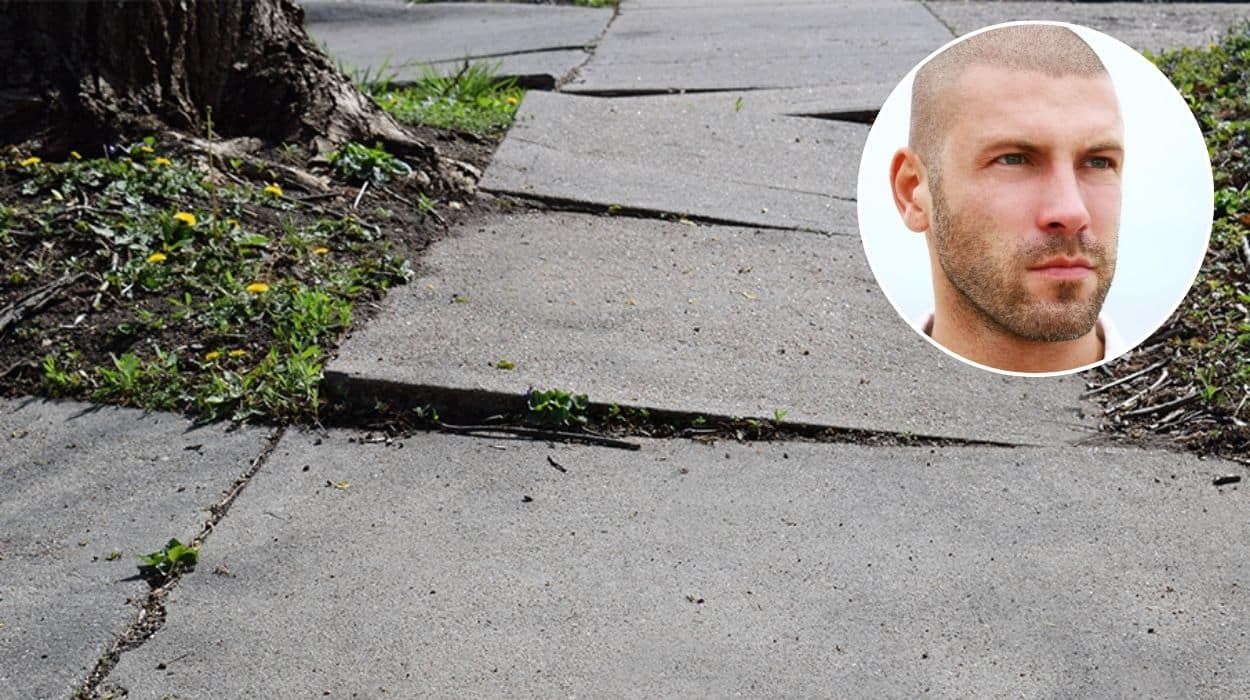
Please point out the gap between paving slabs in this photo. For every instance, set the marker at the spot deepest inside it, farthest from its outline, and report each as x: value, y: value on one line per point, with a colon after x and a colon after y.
x: 396, y: 409
x: 151, y: 614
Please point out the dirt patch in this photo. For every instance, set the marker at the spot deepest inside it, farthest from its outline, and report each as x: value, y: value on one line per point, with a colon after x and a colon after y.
x: 77, y: 292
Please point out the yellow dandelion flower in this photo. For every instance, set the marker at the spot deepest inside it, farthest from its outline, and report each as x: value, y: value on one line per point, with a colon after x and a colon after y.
x: 513, y: 101
x: 75, y: 155
x: 185, y: 217
x: 273, y: 190
x: 160, y: 160
x: 258, y: 288
x: 33, y: 160
x: 212, y: 356
x: 322, y: 250
x: 237, y: 353
x: 156, y: 258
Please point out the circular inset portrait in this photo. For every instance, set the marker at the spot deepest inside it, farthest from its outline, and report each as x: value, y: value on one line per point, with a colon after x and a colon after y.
x: 1035, y: 198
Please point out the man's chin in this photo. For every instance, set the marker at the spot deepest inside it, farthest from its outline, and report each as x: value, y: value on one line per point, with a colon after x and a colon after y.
x: 1054, y: 322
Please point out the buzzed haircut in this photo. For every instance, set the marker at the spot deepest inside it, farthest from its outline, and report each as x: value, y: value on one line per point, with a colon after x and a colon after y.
x: 1044, y: 48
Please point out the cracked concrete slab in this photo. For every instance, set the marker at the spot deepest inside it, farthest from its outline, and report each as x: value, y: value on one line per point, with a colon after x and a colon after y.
x: 86, y: 490
x: 854, y: 102
x: 760, y: 44
x: 700, y: 157
x: 540, y: 70
x: 1153, y: 26
x: 524, y: 39
x: 701, y: 319
x: 454, y: 567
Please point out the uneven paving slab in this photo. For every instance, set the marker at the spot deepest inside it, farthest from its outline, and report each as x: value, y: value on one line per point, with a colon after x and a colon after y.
x: 539, y: 70
x: 703, y: 319
x: 858, y: 103
x: 1153, y: 26
x: 698, y: 157
x: 454, y: 567
x: 79, y: 484
x: 526, y: 39
x: 656, y: 46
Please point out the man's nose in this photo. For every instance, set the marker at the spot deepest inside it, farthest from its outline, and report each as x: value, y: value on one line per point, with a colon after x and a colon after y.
x: 1062, y: 207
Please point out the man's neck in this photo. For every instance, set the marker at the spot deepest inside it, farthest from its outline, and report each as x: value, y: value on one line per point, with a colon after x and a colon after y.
x: 991, y: 345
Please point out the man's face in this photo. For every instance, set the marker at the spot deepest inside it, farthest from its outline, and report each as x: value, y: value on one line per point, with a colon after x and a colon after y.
x: 1026, y: 199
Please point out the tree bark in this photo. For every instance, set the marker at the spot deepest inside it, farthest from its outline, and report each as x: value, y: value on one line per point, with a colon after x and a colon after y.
x: 80, y: 73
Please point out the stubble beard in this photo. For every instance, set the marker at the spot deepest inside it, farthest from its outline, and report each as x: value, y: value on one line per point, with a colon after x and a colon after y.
x: 996, y: 288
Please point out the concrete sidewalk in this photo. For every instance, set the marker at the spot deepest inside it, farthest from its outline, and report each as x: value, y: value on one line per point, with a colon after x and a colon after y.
x: 711, y: 267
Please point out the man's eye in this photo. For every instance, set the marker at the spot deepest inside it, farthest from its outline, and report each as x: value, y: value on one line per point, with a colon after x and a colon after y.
x: 1100, y: 163
x: 1011, y: 159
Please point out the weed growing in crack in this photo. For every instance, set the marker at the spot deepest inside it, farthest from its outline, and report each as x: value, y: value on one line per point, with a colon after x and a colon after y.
x: 164, y: 564
x: 556, y: 407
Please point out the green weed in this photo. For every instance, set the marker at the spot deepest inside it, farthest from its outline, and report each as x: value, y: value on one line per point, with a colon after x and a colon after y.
x: 264, y: 307
x: 58, y: 380
x: 359, y: 163
x: 174, y: 558
x: 556, y: 407
x: 1210, y: 344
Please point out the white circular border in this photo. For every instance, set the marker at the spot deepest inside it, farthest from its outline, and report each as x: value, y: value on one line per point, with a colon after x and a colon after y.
x: 1166, y: 173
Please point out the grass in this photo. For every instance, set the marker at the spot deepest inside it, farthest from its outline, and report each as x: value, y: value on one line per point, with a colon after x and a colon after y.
x: 470, y: 99
x: 1205, y: 347
x: 181, y: 290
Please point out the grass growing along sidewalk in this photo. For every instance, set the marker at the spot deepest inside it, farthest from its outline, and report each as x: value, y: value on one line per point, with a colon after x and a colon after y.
x: 470, y: 99
x: 1198, y: 378
x: 148, y: 278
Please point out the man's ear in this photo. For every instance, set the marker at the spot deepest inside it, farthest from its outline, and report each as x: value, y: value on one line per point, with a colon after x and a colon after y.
x: 910, y: 186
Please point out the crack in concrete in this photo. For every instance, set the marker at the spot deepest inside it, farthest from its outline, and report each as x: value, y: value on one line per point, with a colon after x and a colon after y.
x: 397, y: 407
x: 590, y: 51
x: 665, y: 92
x: 866, y: 116
x: 504, y: 54
x: 850, y: 116
x: 555, y: 203
x: 943, y: 22
x: 783, y: 188
x: 151, y: 614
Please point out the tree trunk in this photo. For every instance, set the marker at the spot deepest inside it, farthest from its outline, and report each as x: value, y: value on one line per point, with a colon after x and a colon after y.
x: 82, y: 73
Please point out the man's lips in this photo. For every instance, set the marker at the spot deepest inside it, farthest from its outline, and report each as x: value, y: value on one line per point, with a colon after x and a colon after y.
x: 1064, y: 268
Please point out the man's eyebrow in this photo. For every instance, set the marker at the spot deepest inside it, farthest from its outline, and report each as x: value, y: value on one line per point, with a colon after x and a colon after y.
x: 1115, y: 146
x: 1021, y: 146
x: 1013, y: 144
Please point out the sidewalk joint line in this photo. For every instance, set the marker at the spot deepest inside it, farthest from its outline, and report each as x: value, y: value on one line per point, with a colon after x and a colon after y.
x: 944, y: 23
x: 866, y: 116
x: 666, y: 92
x: 152, y: 614
x: 590, y: 51
x: 500, y: 54
x: 399, y: 408
x: 554, y: 203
